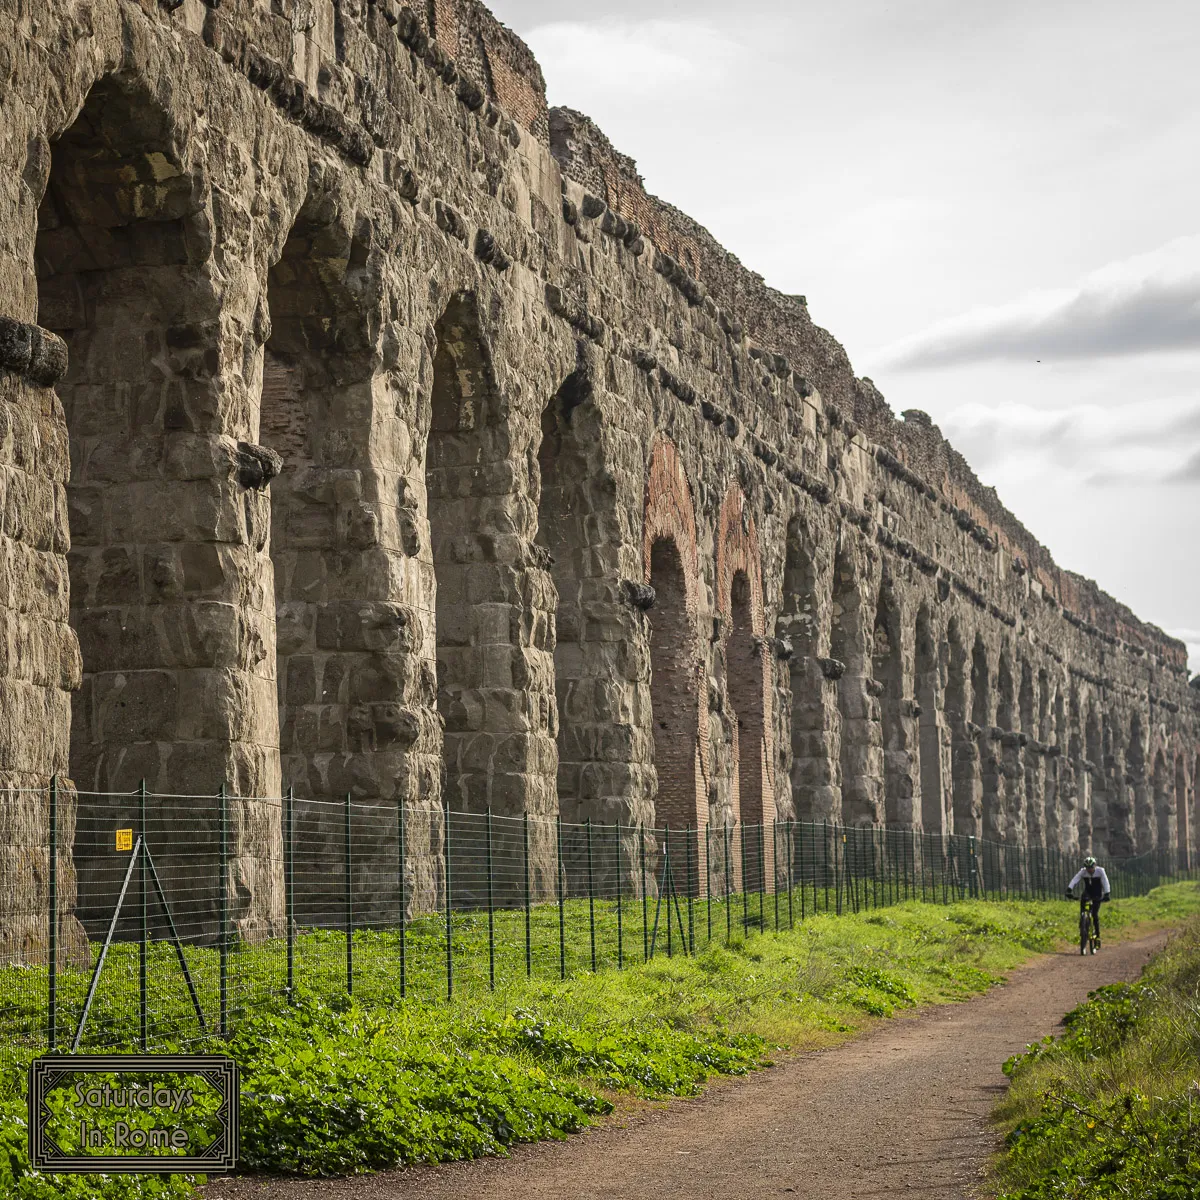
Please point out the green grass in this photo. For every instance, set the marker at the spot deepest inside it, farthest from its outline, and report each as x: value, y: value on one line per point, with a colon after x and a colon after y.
x: 1112, y: 1108
x: 333, y: 1085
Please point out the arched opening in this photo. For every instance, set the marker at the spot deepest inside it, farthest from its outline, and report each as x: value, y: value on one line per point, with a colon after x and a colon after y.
x: 1182, y: 808
x: 745, y: 683
x: 594, y: 733
x: 859, y: 751
x: 1047, y: 768
x: 177, y: 682
x: 989, y: 743
x: 1097, y: 808
x: 814, y: 773
x: 673, y: 696
x: 1035, y: 830
x: 347, y: 722
x: 887, y: 664
x: 981, y: 700
x: 1066, y: 802
x: 116, y: 281
x: 489, y: 743
x: 1081, y: 782
x: 1145, y: 831
x: 1164, y: 812
x: 316, y: 376
x: 964, y: 760
x: 928, y: 688
x: 744, y: 678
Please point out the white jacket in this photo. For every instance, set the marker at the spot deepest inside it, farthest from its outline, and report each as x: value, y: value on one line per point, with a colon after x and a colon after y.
x: 1100, y: 875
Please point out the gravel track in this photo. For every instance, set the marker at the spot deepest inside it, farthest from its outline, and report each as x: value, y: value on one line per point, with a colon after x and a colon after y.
x: 900, y: 1111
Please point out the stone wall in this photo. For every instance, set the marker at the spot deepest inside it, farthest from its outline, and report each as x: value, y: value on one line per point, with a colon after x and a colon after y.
x: 368, y: 429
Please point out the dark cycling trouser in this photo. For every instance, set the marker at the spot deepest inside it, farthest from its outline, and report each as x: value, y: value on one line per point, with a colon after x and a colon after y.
x: 1095, y: 906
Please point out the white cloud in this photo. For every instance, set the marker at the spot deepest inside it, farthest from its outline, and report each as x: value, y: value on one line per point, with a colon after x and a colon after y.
x: 1148, y: 303
x: 630, y: 60
x: 1134, y: 442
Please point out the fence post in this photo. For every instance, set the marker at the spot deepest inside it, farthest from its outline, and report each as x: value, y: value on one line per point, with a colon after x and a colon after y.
x: 223, y: 908
x: 790, y: 872
x: 728, y: 883
x: 403, y: 897
x: 449, y: 904
x: 289, y: 896
x: 491, y: 908
x: 349, y: 901
x: 143, y: 922
x: 562, y: 910
x: 740, y: 828
x: 591, y: 893
x: 691, y: 869
x: 708, y: 888
x: 775, y: 867
x: 825, y: 839
x: 52, y: 932
x: 645, y: 898
x: 528, y: 927
x: 620, y: 890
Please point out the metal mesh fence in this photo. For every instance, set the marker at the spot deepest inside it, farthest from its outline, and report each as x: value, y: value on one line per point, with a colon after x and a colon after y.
x: 177, y: 916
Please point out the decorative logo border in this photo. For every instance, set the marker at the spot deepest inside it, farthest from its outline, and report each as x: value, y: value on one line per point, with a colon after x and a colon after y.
x: 218, y: 1158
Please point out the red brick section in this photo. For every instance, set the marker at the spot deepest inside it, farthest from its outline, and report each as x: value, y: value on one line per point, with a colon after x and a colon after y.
x: 747, y: 661
x: 677, y: 681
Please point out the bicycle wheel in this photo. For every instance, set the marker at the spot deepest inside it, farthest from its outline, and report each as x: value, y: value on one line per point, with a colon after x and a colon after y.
x: 1085, y: 931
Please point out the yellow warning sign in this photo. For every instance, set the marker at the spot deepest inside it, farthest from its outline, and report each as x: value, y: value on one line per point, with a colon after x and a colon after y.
x: 124, y: 839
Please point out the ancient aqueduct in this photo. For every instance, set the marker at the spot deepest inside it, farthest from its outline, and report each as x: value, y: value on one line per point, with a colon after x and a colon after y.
x: 367, y: 427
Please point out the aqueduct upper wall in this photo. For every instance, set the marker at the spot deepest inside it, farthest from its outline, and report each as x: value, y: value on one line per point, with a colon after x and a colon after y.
x: 369, y: 429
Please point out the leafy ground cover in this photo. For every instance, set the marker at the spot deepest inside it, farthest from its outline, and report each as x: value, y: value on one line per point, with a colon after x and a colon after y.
x: 335, y: 1084
x: 1112, y: 1107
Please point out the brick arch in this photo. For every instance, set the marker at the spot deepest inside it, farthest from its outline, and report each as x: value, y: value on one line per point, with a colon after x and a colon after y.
x: 747, y: 659
x: 670, y: 556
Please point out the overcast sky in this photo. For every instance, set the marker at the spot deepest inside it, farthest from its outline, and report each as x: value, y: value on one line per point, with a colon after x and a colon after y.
x: 995, y: 207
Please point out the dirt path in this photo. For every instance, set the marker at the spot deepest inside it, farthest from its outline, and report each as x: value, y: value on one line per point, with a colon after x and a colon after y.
x: 901, y: 1111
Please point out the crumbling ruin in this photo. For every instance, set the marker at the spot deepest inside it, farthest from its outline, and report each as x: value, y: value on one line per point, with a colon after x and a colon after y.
x: 368, y: 428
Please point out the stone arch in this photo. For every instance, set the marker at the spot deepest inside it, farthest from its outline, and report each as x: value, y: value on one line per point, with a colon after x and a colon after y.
x: 986, y: 718
x: 814, y: 770
x: 118, y: 281
x: 1195, y: 809
x: 931, y: 738
x: 338, y: 700
x: 887, y: 668
x: 1183, y: 811
x: 1145, y: 833
x: 1032, y: 783
x: 163, y: 504
x: 493, y: 673
x: 966, y: 786
x: 1094, y: 749
x: 578, y: 543
x: 747, y: 661
x: 1063, y: 766
x: 859, y: 749
x: 1047, y: 768
x: 1165, y: 816
x: 677, y: 691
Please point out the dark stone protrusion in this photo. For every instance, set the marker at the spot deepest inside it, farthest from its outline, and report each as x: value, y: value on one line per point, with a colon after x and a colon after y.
x: 831, y: 668
x: 638, y: 595
x: 256, y: 465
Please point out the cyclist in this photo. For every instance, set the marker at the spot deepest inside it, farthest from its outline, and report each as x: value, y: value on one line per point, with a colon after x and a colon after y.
x: 1095, y: 891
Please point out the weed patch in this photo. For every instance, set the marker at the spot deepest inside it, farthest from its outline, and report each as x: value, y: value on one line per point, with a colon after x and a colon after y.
x: 340, y: 1086
x: 1112, y: 1107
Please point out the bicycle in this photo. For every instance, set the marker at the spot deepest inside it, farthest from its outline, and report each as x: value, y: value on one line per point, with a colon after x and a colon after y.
x: 1088, y: 941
